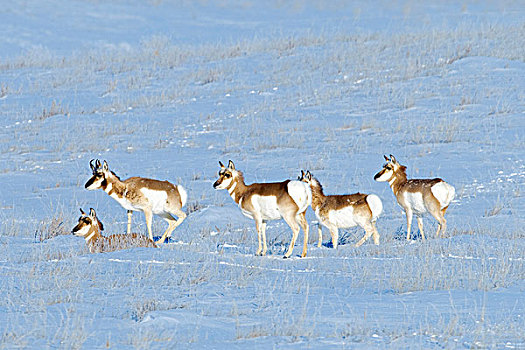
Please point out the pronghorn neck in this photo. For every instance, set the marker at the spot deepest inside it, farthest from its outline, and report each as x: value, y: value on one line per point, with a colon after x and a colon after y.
x: 114, y: 186
x: 317, y: 193
x: 398, y: 180
x: 93, y: 236
x: 237, y: 188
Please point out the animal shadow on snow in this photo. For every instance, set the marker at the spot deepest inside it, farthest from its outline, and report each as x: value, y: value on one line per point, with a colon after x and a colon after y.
x: 345, y: 237
x: 401, y: 235
x: 168, y: 239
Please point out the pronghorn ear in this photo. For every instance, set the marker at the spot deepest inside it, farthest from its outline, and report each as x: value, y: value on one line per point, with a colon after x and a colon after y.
x: 92, y: 213
x: 105, y: 166
x: 308, y: 175
x: 82, y: 212
x: 302, y: 175
x: 221, y: 165
x: 231, y: 165
x: 393, y: 159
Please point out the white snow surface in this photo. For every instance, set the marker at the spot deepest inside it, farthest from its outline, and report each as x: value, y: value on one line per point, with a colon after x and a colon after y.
x: 165, y: 89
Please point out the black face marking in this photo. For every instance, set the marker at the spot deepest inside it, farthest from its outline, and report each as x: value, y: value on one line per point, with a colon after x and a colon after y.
x: 90, y: 182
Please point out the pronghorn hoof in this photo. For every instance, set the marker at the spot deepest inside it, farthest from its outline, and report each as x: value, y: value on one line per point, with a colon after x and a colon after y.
x: 285, y: 257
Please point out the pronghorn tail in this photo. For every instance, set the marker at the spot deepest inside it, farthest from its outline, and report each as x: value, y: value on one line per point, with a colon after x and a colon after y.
x: 301, y: 194
x: 183, y: 194
x: 375, y: 204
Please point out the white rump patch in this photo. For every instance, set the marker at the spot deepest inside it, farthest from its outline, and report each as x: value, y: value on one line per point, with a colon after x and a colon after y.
x: 183, y: 194
x: 301, y: 194
x: 444, y: 193
x: 157, y: 199
x: 375, y: 204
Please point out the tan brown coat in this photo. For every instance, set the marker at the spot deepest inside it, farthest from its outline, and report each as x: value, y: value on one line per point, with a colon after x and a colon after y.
x: 417, y: 196
x: 89, y: 227
x: 150, y: 196
x: 268, y: 201
x: 343, y: 211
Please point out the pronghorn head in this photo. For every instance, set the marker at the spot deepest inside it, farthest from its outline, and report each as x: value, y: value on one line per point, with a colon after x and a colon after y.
x: 88, y: 225
x: 100, y: 173
x: 227, y: 175
x: 305, y: 177
x: 389, y: 169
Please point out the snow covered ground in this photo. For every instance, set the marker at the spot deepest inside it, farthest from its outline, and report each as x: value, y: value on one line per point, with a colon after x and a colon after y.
x: 166, y: 89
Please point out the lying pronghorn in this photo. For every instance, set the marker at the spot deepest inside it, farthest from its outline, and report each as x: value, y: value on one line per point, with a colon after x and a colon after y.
x: 417, y: 196
x: 268, y: 201
x: 89, y: 227
x: 137, y: 193
x: 344, y: 211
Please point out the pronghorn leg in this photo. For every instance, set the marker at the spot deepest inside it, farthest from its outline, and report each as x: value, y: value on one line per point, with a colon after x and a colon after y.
x: 409, y: 223
x: 173, y: 224
x: 334, y: 232
x: 375, y: 234
x: 263, y: 234
x: 301, y: 218
x: 295, y: 229
x: 258, y: 224
x: 443, y: 227
x: 320, y: 232
x: 442, y: 223
x: 167, y: 233
x: 420, y: 226
x: 130, y: 212
x: 149, y: 218
x: 369, y: 230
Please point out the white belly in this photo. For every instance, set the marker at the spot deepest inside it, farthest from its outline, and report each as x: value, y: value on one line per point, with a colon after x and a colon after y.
x: 266, y: 206
x: 342, y: 218
x: 157, y: 199
x: 415, y: 201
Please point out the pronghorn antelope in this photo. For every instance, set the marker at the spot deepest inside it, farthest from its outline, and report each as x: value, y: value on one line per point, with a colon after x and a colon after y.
x: 417, y: 196
x: 344, y: 211
x: 161, y: 198
x: 268, y: 201
x: 90, y: 227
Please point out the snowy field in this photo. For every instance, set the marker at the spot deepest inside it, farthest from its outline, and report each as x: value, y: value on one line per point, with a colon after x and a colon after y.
x: 166, y: 89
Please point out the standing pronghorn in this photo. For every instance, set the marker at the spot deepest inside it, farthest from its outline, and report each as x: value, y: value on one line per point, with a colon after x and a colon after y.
x: 161, y: 198
x: 417, y: 196
x: 268, y: 201
x: 89, y: 227
x: 344, y: 211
